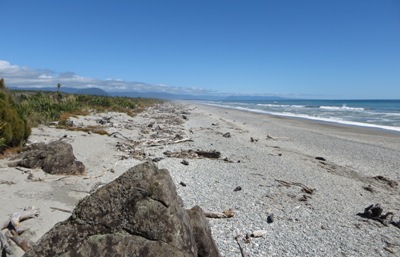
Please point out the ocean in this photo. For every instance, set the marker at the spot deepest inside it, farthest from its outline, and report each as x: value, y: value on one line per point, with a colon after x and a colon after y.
x: 381, y: 114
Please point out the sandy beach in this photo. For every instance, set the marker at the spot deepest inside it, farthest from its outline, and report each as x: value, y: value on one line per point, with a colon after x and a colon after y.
x: 267, y: 164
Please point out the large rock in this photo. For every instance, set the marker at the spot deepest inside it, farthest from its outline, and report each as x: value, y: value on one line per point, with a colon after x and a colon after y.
x: 138, y: 214
x: 55, y: 158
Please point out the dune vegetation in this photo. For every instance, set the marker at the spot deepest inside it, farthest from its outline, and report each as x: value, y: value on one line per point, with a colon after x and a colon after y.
x: 22, y: 110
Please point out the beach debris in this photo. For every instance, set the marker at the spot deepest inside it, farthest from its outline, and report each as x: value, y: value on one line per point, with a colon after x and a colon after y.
x: 276, y: 138
x: 116, y: 134
x: 6, y: 182
x: 270, y: 218
x: 157, y: 159
x: 138, y: 154
x: 4, y: 246
x: 182, y: 184
x: 31, y: 177
x: 386, y: 180
x: 214, y: 124
x: 304, y: 198
x: 258, y: 233
x: 226, y: 159
x: 238, y: 188
x: 209, y: 154
x: 227, y: 135
x: 304, y: 188
x: 374, y: 212
x: 389, y: 249
x: 150, y: 125
x: 242, y: 252
x: 13, y: 224
x: 228, y: 213
x: 105, y: 120
x: 369, y: 188
x: 60, y: 209
x: 162, y: 142
x: 192, y: 154
x: 185, y: 162
x: 320, y: 158
x: 253, y: 139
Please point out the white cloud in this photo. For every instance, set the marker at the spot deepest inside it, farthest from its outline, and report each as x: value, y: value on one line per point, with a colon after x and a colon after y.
x: 17, y: 76
x: 45, y: 76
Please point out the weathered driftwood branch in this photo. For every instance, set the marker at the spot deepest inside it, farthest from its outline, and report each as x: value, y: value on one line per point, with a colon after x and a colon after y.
x: 59, y: 209
x: 277, y: 138
x: 14, y: 223
x: 118, y: 133
x: 23, y: 243
x: 162, y: 142
x: 4, y: 244
x: 219, y: 215
x: 306, y: 189
x: 209, y: 154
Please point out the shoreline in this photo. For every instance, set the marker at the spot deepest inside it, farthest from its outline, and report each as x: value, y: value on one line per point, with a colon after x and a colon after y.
x: 383, y: 128
x: 258, y: 152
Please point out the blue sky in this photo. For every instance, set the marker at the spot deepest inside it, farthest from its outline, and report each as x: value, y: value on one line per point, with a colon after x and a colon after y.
x: 296, y: 48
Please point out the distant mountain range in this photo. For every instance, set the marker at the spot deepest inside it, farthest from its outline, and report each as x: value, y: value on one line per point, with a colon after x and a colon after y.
x: 158, y: 95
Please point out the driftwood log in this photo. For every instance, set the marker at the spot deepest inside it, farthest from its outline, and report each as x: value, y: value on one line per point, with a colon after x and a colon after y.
x: 4, y: 246
x: 219, y: 215
x: 13, y: 224
x: 22, y: 242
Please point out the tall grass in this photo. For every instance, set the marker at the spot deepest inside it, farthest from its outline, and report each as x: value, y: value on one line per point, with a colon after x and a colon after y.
x: 35, y: 108
x: 43, y: 107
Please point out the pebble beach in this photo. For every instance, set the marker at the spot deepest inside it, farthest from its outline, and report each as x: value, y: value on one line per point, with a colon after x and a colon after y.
x: 303, y: 184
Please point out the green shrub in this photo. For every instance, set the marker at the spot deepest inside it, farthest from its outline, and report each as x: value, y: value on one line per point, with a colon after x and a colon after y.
x: 14, y: 129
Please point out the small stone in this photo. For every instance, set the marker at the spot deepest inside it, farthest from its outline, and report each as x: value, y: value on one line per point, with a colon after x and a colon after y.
x: 253, y: 139
x: 157, y: 159
x: 270, y: 218
x: 184, y: 162
x: 238, y: 188
x: 227, y: 135
x: 258, y: 233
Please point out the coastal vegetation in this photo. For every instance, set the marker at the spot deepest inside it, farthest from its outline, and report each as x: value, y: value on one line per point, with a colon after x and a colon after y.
x: 22, y: 110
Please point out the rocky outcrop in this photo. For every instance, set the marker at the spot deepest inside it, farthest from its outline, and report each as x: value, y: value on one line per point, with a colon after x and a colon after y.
x: 54, y: 158
x: 137, y: 214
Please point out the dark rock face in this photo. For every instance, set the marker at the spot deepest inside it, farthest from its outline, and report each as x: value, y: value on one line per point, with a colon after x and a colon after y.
x: 138, y: 214
x: 202, y: 233
x: 55, y: 158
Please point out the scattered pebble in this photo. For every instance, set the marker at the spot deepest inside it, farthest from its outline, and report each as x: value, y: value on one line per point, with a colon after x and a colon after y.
x: 238, y: 188
x: 270, y: 218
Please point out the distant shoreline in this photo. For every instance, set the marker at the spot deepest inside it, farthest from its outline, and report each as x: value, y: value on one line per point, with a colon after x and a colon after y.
x: 345, y: 124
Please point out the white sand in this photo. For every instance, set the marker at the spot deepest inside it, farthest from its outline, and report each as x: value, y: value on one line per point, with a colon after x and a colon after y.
x: 324, y: 225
